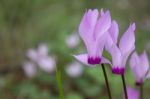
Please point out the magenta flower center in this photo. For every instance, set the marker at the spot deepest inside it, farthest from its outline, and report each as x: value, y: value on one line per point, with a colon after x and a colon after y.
x: 118, y: 71
x: 94, y: 61
x: 138, y: 83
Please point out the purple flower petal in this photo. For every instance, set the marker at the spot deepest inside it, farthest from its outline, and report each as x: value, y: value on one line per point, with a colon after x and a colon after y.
x: 109, y: 43
x: 99, y: 45
x: 87, y: 24
x: 112, y: 36
x: 86, y: 28
x: 144, y: 62
x: 102, y: 12
x: 136, y: 67
x: 114, y: 31
x: 132, y: 93
x: 116, y: 56
x: 102, y: 25
x: 83, y: 58
x: 148, y: 75
x: 134, y: 60
x: 105, y: 61
x: 128, y: 40
x: 125, y: 56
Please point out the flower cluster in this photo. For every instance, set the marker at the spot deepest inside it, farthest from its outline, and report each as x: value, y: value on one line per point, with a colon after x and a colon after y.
x: 40, y: 58
x: 100, y: 32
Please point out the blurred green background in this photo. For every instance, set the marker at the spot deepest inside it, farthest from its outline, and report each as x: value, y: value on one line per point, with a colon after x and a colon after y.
x: 25, y: 24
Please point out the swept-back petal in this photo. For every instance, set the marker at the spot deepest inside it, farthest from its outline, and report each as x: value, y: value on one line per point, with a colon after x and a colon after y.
x: 144, y: 62
x: 112, y: 36
x: 114, y: 31
x: 126, y: 55
x: 102, y: 25
x: 132, y: 93
x: 148, y: 75
x: 88, y: 23
x: 109, y: 43
x: 99, y: 45
x: 136, y: 67
x: 105, y: 61
x: 134, y: 60
x: 128, y: 40
x: 83, y: 58
x: 102, y: 12
x: 116, y: 56
x: 92, y: 16
x: 86, y: 28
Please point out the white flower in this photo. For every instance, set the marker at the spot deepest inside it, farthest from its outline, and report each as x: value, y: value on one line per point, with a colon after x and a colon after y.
x: 74, y: 69
x: 32, y: 54
x: 47, y: 64
x: 42, y: 50
x: 72, y: 41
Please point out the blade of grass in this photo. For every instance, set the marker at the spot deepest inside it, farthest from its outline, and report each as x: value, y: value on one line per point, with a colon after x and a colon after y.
x: 59, y: 82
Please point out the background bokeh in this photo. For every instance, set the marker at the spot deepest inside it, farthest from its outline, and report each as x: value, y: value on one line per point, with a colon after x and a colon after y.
x: 25, y: 24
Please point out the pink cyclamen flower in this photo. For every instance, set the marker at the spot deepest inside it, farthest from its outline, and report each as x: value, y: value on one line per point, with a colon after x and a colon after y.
x: 74, y: 69
x: 93, y: 29
x: 120, y: 53
x: 132, y: 93
x: 140, y: 66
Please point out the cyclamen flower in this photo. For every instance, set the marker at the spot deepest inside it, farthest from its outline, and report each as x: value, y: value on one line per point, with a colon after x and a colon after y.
x: 72, y: 40
x: 93, y: 31
x: 140, y: 66
x: 41, y: 58
x: 132, y: 93
x: 120, y: 53
x: 74, y: 69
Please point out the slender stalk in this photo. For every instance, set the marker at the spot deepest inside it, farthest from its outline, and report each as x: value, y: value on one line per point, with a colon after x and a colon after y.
x: 141, y: 91
x: 124, y: 86
x: 106, y: 81
x: 59, y: 82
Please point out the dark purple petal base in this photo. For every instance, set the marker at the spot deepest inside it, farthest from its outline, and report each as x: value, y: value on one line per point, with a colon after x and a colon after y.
x: 118, y: 71
x: 138, y: 83
x: 94, y: 61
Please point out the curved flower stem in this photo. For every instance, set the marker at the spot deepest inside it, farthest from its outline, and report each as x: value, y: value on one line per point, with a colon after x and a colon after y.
x: 106, y: 81
x: 124, y: 86
x: 59, y: 82
x: 141, y: 91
